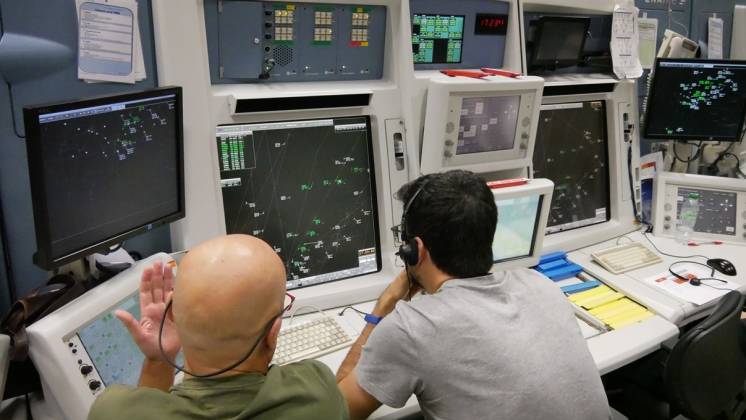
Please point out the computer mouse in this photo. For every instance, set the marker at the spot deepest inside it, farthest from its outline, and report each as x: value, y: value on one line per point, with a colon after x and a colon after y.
x: 724, y: 266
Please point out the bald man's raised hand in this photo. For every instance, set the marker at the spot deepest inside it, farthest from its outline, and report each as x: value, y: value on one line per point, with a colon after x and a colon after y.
x: 156, y: 287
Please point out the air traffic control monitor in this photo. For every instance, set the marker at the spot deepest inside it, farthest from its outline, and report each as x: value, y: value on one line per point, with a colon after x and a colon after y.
x: 521, y: 220
x: 480, y: 125
x: 722, y: 205
x: 572, y: 150
x: 103, y: 170
x: 450, y: 34
x: 697, y: 100
x: 305, y: 187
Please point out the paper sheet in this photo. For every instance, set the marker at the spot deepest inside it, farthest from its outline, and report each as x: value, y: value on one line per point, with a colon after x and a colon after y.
x: 109, y: 45
x: 708, y: 291
x: 625, y: 41
x: 648, y: 30
x: 714, y: 38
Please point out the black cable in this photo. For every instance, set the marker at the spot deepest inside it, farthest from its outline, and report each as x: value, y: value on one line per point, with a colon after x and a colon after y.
x: 691, y: 158
x: 6, y: 256
x: 248, y: 354
x: 645, y: 234
x: 342, y: 312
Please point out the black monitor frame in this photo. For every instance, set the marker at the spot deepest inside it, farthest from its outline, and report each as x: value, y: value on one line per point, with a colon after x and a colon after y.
x: 651, y: 108
x: 556, y: 63
x: 44, y: 257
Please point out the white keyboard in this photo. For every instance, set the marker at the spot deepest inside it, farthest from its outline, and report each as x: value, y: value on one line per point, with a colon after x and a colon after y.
x: 310, y: 340
x: 627, y: 257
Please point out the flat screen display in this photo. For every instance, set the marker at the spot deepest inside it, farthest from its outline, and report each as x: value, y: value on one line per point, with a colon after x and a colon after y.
x: 697, y: 100
x: 517, y: 224
x: 307, y: 188
x: 437, y: 39
x: 488, y: 124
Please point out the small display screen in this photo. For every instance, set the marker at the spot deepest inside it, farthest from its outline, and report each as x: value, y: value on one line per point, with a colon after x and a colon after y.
x: 693, y: 100
x: 717, y: 210
x: 114, y: 354
x: 437, y: 39
x: 487, y: 124
x: 517, y: 222
x: 491, y: 24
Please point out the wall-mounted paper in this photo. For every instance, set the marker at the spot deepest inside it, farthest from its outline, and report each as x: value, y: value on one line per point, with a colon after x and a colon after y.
x: 648, y: 30
x: 109, y: 46
x: 624, y: 41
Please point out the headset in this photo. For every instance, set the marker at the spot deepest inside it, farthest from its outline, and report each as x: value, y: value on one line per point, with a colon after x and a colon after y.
x: 409, y: 251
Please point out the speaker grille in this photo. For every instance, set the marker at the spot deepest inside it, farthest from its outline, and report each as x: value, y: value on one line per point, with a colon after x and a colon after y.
x: 283, y: 55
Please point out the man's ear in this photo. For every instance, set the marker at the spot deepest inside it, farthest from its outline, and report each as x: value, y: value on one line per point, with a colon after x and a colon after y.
x: 271, y: 338
x: 422, y: 253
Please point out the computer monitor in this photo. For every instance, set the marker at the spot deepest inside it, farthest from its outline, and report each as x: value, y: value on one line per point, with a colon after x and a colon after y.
x: 559, y: 41
x: 521, y: 221
x: 722, y: 206
x: 307, y: 188
x: 437, y: 39
x: 572, y: 150
x: 103, y: 170
x: 697, y: 100
x: 480, y: 125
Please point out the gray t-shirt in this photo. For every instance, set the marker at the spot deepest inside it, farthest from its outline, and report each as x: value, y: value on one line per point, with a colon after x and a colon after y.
x: 502, y: 346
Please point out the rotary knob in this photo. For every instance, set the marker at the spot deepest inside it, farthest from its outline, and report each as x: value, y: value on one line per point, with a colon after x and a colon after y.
x: 94, y: 385
x: 86, y: 369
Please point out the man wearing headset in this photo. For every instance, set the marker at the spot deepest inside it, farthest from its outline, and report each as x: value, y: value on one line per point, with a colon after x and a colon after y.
x: 226, y: 314
x: 475, y: 345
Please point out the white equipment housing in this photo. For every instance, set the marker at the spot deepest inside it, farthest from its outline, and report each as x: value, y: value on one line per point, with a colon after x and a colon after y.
x: 441, y: 143
x: 723, y: 200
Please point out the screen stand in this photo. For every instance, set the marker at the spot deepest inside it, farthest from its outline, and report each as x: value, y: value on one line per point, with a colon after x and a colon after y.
x: 78, y: 269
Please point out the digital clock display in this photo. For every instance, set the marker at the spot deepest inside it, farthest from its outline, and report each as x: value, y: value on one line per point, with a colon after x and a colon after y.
x: 491, y: 24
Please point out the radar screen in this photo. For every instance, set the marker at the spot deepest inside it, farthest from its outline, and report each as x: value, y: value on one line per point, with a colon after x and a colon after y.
x: 717, y: 210
x: 572, y: 151
x: 306, y: 188
x: 697, y: 100
x: 437, y: 39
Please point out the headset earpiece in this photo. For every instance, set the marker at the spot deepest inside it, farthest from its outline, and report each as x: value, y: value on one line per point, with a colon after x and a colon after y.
x: 409, y: 252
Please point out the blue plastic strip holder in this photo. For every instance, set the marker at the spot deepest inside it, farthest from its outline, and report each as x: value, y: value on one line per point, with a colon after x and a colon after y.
x: 580, y: 287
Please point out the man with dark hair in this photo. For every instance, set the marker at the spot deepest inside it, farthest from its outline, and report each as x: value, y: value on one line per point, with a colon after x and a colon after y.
x: 475, y: 345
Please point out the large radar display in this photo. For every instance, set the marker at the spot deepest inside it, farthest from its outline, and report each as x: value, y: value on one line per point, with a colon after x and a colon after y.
x: 306, y: 188
x: 697, y: 101
x: 571, y: 150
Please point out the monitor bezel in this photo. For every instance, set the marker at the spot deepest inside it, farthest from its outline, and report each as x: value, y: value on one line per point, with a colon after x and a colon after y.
x: 44, y: 256
x: 651, y: 107
x: 463, y: 35
x: 537, y: 63
x: 374, y: 191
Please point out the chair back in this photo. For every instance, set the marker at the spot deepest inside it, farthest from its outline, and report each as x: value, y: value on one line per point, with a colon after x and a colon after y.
x: 706, y: 370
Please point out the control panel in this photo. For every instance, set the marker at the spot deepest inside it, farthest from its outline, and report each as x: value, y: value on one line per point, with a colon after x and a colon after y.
x: 449, y: 34
x: 256, y: 41
x: 722, y: 206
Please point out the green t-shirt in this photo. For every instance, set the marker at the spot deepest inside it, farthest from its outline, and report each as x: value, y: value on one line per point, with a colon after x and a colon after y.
x: 304, y: 390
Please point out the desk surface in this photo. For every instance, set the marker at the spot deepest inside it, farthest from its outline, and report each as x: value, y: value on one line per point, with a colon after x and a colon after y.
x: 671, y: 308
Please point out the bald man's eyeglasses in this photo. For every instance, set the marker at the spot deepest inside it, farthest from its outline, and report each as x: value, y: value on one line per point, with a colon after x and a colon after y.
x: 287, y: 305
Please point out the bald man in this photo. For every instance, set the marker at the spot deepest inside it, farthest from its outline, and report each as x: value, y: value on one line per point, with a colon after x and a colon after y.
x: 225, y: 314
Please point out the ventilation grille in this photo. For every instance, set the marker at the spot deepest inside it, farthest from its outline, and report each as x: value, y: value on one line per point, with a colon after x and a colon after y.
x: 283, y: 55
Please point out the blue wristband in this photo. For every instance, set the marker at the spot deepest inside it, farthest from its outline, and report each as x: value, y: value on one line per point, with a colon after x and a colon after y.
x: 372, y: 319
